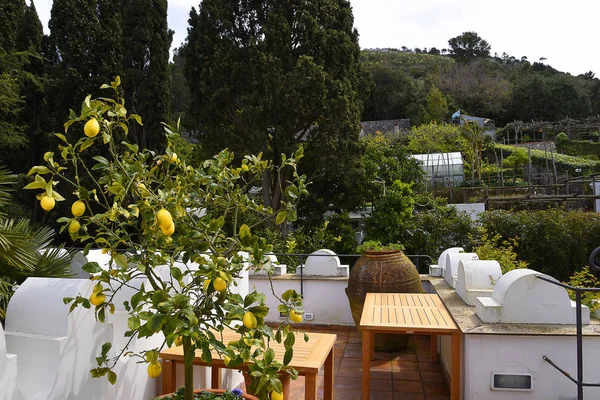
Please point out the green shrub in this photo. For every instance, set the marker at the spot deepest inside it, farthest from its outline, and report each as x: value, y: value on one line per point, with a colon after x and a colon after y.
x: 553, y: 241
x: 495, y: 248
x: 563, y: 162
x: 585, y: 278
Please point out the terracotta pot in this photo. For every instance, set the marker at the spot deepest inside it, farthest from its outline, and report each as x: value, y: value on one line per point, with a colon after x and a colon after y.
x: 283, y: 377
x: 382, y: 272
x: 244, y: 395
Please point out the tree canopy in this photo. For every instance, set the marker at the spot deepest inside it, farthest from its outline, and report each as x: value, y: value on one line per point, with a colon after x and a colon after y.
x: 267, y: 76
x: 468, y: 46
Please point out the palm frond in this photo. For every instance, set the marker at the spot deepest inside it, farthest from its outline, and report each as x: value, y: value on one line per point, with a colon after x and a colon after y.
x: 17, y: 250
x: 54, y: 263
x: 7, y: 181
x: 6, y: 291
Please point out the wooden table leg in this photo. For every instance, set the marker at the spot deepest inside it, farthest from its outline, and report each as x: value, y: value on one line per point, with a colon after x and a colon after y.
x: 329, y: 372
x: 215, y: 377
x: 456, y: 378
x: 367, y: 348
x: 434, y: 353
x: 310, y: 386
x: 168, y: 376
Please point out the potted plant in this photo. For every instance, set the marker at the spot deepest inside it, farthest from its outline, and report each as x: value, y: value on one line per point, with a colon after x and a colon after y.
x: 381, y: 269
x: 150, y: 210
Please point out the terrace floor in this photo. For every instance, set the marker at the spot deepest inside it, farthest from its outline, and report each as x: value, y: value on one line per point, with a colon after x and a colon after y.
x: 405, y: 375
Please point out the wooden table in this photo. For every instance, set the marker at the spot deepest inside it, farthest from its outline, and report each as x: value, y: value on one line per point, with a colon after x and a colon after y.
x: 308, y: 359
x: 408, y: 313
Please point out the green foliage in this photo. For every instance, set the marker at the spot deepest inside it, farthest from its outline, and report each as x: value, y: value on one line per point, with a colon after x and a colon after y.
x: 578, y: 148
x: 553, y: 241
x: 468, y: 46
x: 205, y: 395
x: 494, y: 248
x: 436, y: 106
x: 375, y: 245
x: 518, y: 159
x: 561, y: 139
x: 288, y: 74
x: 550, y: 97
x: 390, y: 213
x: 23, y: 252
x: 563, y: 162
x: 144, y: 209
x: 585, y: 278
x: 437, y: 138
x: 434, y: 227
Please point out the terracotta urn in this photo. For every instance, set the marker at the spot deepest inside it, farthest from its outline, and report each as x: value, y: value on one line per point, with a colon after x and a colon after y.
x: 382, y: 272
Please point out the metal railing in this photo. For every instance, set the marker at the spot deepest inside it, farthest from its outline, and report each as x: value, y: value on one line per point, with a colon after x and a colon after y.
x: 579, y: 381
x: 417, y: 259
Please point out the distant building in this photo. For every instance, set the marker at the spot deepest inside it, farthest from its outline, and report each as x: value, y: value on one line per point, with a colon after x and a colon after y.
x: 486, y: 123
x: 384, y: 126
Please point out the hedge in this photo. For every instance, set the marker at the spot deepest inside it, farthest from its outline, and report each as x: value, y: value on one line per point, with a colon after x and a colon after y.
x: 553, y: 241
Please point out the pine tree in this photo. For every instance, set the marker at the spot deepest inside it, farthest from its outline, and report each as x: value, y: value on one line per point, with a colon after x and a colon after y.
x: 147, y: 79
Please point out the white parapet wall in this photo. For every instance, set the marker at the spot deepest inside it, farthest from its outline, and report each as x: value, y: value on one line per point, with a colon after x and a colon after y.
x: 520, y: 297
x: 323, y: 284
x: 451, y: 265
x: 477, y: 279
x: 521, y: 355
x: 46, y: 352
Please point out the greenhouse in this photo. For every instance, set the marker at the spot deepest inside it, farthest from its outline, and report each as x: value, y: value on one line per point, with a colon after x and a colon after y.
x: 443, y: 168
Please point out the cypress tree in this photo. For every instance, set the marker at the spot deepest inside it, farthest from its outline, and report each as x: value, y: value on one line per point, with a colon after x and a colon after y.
x: 85, y: 43
x: 147, y: 78
x: 11, y: 17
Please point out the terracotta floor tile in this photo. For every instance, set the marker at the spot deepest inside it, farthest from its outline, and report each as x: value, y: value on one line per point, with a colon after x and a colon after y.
x: 347, y: 394
x: 405, y: 366
x: 345, y: 382
x: 407, y: 375
x: 429, y: 366
x: 354, y: 346
x: 432, y: 376
x: 352, y: 354
x: 382, y: 355
x: 438, y: 397
x: 404, y: 357
x: 377, y: 395
x: 382, y: 365
x: 435, y: 388
x: 354, y: 339
x: 381, y: 385
x: 408, y: 396
x: 408, y: 386
x: 351, y: 372
x: 351, y: 363
x: 423, y: 350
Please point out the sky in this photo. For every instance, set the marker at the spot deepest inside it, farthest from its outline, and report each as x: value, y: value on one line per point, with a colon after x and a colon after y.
x: 563, y: 32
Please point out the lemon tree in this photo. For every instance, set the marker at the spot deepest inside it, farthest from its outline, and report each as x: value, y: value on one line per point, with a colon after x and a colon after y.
x: 148, y: 210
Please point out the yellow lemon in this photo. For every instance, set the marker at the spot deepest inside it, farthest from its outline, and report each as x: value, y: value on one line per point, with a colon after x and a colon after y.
x: 47, y: 203
x: 205, y: 284
x: 143, y: 190
x: 91, y: 128
x: 226, y: 360
x: 168, y: 231
x: 154, y: 369
x: 295, y: 317
x: 276, y: 395
x: 178, y: 341
x: 244, y: 167
x: 78, y: 208
x: 173, y: 157
x: 74, y: 226
x: 97, y: 298
x: 249, y: 320
x: 219, y: 284
x: 165, y: 220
